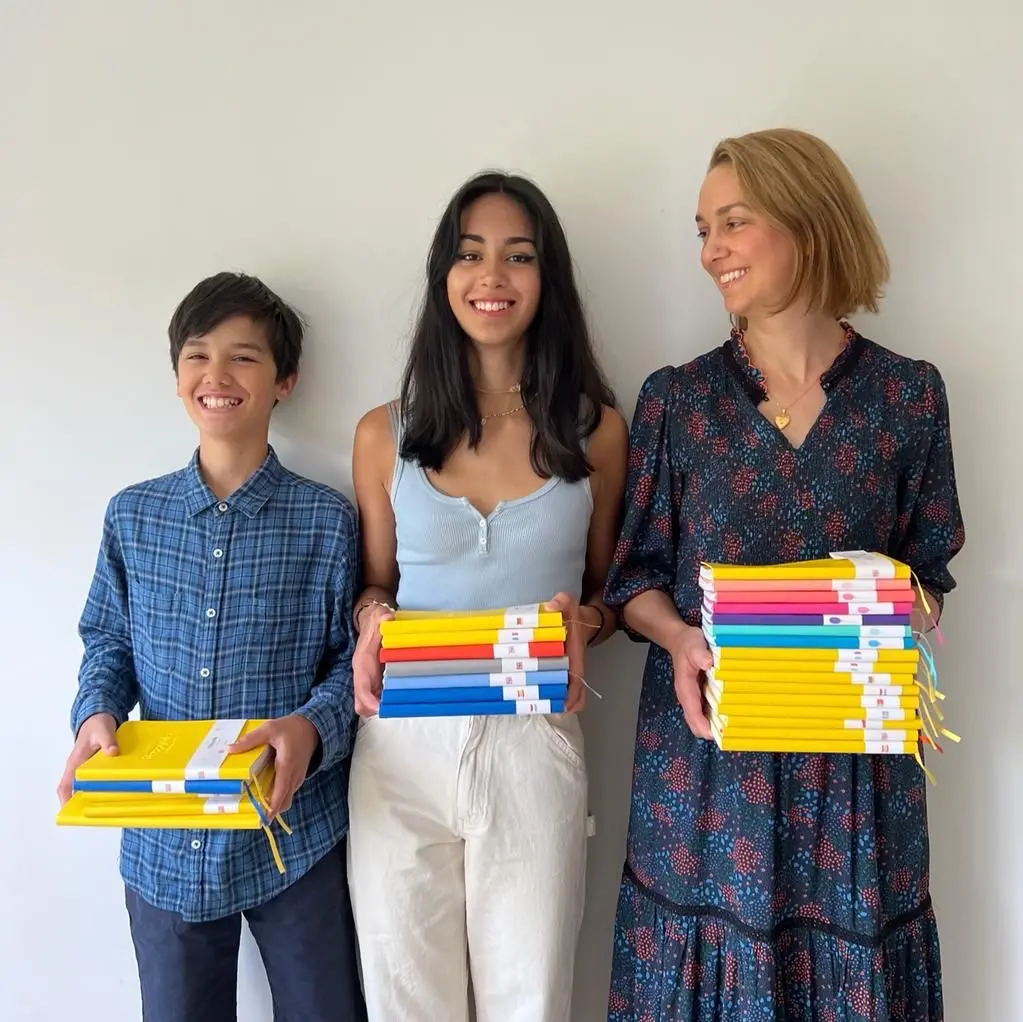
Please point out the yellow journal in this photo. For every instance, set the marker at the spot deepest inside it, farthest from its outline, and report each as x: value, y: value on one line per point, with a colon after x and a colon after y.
x: 174, y: 750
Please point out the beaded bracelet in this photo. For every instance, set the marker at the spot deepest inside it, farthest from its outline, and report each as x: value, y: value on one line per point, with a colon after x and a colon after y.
x: 370, y: 603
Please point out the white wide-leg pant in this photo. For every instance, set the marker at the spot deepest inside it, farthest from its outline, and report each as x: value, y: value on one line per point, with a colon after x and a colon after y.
x: 467, y: 851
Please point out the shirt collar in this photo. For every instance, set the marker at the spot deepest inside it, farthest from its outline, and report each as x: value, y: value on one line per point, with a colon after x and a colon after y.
x: 249, y: 498
x: 752, y: 379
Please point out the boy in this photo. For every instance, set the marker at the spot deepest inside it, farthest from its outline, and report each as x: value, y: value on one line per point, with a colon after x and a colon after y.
x: 225, y: 590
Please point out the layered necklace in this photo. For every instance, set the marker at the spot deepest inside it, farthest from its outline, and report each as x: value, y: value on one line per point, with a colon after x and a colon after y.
x: 516, y: 389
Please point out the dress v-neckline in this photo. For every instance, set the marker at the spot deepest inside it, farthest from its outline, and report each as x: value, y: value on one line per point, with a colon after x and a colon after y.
x: 752, y: 381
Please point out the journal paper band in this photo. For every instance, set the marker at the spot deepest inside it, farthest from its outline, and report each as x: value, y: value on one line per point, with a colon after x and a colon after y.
x: 212, y: 751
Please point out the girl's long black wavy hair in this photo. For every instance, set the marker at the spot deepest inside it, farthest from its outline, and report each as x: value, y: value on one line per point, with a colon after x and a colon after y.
x: 563, y: 387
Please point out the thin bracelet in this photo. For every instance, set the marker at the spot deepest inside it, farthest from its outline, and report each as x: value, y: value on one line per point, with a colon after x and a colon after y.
x: 603, y: 623
x: 370, y: 603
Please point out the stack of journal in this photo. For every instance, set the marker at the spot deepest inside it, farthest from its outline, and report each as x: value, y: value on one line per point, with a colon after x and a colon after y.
x: 176, y: 774
x: 469, y: 663
x: 813, y: 656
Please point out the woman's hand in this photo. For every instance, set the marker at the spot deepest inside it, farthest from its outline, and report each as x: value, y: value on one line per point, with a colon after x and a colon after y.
x: 577, y: 637
x: 367, y: 671
x: 690, y: 657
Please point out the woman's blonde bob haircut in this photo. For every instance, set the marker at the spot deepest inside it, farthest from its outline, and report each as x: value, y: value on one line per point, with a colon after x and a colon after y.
x: 799, y: 183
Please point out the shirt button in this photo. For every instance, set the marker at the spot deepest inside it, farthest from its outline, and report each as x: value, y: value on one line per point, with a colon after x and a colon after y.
x: 211, y: 613
x: 197, y: 844
x: 204, y: 673
x: 221, y: 506
x: 218, y: 553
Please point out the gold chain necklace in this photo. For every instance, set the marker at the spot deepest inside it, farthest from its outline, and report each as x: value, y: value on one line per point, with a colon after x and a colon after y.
x: 484, y: 419
x: 783, y: 418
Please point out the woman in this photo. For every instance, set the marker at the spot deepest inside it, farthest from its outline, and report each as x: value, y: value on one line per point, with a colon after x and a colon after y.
x: 764, y: 887
x: 495, y: 481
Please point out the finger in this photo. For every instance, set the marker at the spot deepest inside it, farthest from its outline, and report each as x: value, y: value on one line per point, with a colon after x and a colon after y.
x: 79, y: 754
x: 66, y: 782
x: 262, y: 735
x: 108, y: 745
x: 372, y: 684
x: 576, y: 698
x: 562, y: 602
x: 367, y: 706
x: 367, y: 701
x: 284, y: 787
x: 687, y: 690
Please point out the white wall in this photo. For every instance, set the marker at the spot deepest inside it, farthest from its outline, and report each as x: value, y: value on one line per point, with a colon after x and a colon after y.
x: 143, y: 146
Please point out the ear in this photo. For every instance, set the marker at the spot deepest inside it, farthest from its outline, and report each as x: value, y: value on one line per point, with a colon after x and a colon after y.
x: 283, y: 388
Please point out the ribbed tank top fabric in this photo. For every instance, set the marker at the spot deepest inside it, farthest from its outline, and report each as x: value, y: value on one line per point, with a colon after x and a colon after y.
x: 451, y: 557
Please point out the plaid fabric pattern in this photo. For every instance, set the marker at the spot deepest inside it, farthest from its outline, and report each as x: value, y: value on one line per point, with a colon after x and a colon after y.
x: 206, y: 609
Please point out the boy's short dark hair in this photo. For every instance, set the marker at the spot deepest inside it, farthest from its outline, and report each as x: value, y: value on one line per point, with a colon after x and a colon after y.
x: 218, y: 298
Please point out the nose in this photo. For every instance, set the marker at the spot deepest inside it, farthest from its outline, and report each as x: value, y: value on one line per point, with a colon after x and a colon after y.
x: 714, y: 247
x: 218, y: 373
x: 493, y: 272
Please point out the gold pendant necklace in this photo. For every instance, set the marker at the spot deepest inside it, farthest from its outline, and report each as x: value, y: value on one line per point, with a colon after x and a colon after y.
x: 782, y: 419
x: 484, y: 419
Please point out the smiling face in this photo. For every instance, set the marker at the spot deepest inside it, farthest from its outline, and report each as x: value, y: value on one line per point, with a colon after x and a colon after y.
x: 493, y: 285
x: 227, y: 380
x: 751, y: 261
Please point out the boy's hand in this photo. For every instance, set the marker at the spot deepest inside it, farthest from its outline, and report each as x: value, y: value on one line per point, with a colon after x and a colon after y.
x: 294, y: 741
x: 367, y: 671
x: 98, y: 732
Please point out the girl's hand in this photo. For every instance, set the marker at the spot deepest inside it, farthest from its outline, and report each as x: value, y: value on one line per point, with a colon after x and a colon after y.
x: 367, y: 671
x: 577, y: 637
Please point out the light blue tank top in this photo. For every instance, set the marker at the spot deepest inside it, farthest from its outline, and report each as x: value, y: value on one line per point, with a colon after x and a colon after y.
x: 450, y: 557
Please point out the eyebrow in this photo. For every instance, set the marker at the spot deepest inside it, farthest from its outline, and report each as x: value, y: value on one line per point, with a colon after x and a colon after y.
x: 200, y: 342
x: 721, y: 210
x: 513, y: 240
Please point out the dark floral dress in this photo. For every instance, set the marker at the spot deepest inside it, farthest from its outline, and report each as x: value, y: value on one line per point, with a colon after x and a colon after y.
x: 763, y: 887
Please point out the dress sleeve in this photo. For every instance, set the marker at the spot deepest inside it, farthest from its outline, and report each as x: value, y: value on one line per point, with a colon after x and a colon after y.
x: 645, y: 552
x: 930, y: 530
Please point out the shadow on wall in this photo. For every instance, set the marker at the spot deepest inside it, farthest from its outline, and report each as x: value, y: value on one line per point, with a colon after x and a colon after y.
x: 615, y: 670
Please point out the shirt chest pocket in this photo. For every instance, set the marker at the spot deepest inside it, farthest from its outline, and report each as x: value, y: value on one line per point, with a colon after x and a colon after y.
x: 286, y: 639
x: 156, y: 628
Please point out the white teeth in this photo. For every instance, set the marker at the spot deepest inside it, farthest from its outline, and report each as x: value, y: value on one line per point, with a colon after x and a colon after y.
x: 220, y: 402
x: 727, y: 278
x: 491, y: 306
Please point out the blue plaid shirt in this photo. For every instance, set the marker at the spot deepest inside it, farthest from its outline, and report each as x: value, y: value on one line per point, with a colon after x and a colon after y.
x: 205, y: 609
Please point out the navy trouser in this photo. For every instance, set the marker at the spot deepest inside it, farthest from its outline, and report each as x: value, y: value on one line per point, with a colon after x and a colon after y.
x: 306, y: 937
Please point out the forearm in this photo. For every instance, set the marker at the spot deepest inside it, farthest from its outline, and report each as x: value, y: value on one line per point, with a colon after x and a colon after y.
x: 106, y: 677
x: 331, y: 710
x: 600, y: 619
x: 654, y: 615
x: 106, y: 684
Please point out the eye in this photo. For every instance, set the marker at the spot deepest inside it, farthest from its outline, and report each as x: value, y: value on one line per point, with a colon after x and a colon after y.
x: 702, y: 233
x: 195, y: 356
x: 466, y: 257
x: 732, y: 224
x: 522, y: 257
